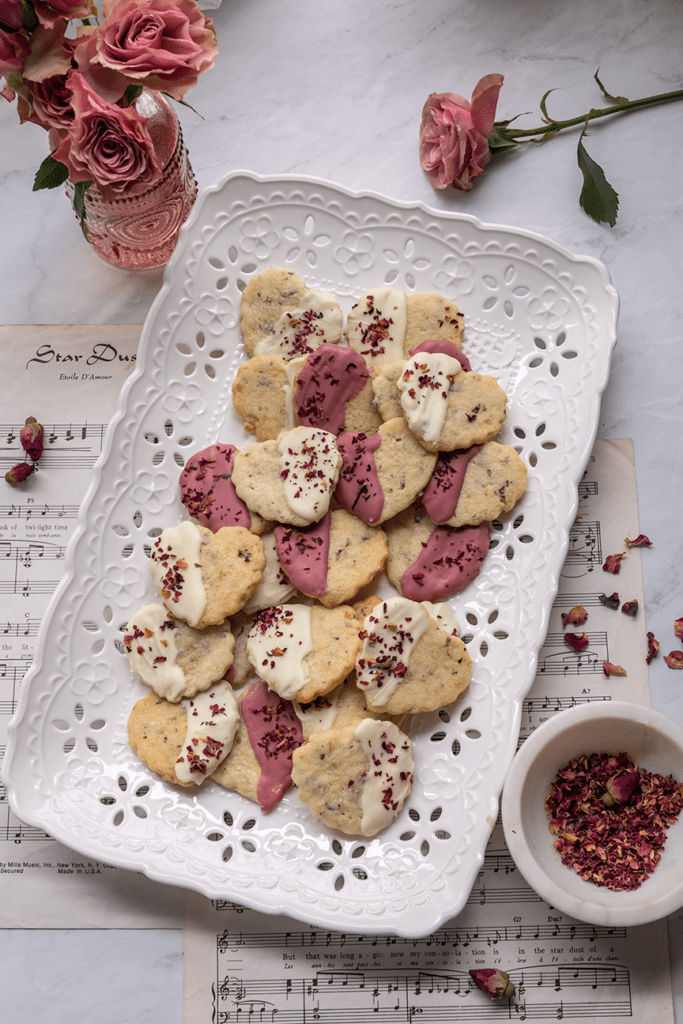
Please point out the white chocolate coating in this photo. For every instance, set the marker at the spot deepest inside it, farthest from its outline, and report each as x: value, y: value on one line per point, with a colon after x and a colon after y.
x: 277, y: 646
x: 316, y: 319
x: 175, y: 566
x: 376, y: 326
x: 151, y: 650
x: 423, y: 385
x: 212, y: 720
x: 309, y: 466
x: 390, y: 779
x: 390, y: 633
x: 274, y: 587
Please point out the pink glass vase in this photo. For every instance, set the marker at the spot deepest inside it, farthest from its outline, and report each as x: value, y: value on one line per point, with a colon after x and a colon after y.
x: 139, y: 229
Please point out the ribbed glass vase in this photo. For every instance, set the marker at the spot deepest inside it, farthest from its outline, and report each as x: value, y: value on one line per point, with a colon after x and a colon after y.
x: 139, y: 229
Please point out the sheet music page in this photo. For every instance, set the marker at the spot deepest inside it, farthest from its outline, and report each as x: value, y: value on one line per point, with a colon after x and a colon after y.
x: 241, y: 965
x: 69, y: 378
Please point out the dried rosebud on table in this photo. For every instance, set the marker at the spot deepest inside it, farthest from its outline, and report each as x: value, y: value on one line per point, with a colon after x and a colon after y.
x: 613, y: 563
x: 630, y: 608
x: 612, y: 670
x: 31, y: 437
x: 494, y: 983
x: 652, y: 647
x: 577, y: 641
x: 641, y: 541
x: 610, y: 602
x: 575, y: 617
x: 674, y: 659
x: 17, y: 474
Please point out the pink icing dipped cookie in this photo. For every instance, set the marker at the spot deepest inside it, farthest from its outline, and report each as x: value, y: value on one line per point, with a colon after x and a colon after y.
x: 209, y: 495
x: 332, y: 559
x: 382, y: 473
x: 442, y: 493
x: 428, y: 562
x: 475, y: 485
x: 445, y: 348
x: 330, y: 379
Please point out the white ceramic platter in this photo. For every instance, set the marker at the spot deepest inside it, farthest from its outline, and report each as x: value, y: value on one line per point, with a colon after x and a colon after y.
x: 540, y: 320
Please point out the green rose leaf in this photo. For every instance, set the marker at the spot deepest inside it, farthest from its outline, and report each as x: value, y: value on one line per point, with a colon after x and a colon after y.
x: 597, y: 198
x: 80, y: 189
x: 131, y: 94
x: 50, y: 174
x: 28, y: 16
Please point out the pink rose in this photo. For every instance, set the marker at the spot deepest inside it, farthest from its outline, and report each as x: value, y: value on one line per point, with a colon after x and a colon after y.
x: 160, y: 44
x: 107, y: 144
x: 50, y: 104
x: 454, y: 134
x: 14, y: 49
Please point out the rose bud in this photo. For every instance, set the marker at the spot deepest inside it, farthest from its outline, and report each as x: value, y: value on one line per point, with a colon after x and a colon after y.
x: 31, y: 437
x: 494, y: 983
x: 17, y: 474
x: 652, y: 647
x: 619, y: 788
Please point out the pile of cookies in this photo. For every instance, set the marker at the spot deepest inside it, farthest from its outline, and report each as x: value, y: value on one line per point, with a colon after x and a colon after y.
x: 374, y: 453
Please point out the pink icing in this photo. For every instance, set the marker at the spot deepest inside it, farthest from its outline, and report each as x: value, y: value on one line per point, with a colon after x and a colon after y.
x: 274, y: 731
x: 207, y: 490
x: 448, y: 561
x: 358, y: 489
x: 442, y: 493
x: 303, y: 554
x: 444, y: 348
x: 330, y: 378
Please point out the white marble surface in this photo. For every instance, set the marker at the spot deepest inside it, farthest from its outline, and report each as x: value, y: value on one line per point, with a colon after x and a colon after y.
x: 335, y: 90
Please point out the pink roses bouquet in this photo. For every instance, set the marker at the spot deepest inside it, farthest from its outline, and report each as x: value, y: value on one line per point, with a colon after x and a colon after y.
x: 79, y: 79
x: 459, y: 137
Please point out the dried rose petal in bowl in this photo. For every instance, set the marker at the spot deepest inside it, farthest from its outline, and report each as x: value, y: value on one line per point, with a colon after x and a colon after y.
x: 654, y: 746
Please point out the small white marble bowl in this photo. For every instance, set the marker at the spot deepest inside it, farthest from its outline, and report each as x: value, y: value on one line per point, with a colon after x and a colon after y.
x: 656, y: 744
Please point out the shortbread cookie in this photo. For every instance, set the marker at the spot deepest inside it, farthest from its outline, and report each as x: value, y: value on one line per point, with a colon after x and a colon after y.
x: 445, y: 406
x: 204, y: 577
x: 259, y: 766
x: 275, y: 586
x: 173, y: 658
x: 357, y: 778
x: 333, y: 391
x: 387, y: 397
x: 428, y: 562
x: 407, y: 663
x: 333, y: 559
x: 281, y: 316
x: 430, y: 315
x: 289, y: 480
x: 184, y: 742
x: 382, y: 473
x: 475, y: 485
x: 259, y: 396
x: 345, y: 705
x: 209, y: 495
x: 303, y: 652
x: 241, y: 669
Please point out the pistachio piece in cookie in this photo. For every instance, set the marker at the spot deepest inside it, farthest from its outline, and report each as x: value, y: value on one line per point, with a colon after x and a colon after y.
x: 204, y: 577
x: 209, y: 495
x: 184, y: 742
x: 382, y: 473
x: 355, y: 778
x: 428, y: 562
x: 408, y: 663
x: 259, y: 766
x: 281, y: 316
x: 173, y: 658
x: 291, y: 479
x: 475, y: 485
x: 333, y: 559
x: 301, y: 651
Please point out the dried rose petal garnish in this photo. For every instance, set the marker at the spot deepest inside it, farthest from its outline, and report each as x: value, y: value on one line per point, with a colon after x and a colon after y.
x: 577, y: 641
x: 613, y: 563
x: 612, y: 670
x: 610, y: 602
x: 674, y: 659
x: 618, y: 846
x: 678, y: 627
x: 575, y: 617
x: 493, y: 982
x: 652, y: 647
x: 641, y: 541
x: 630, y: 607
